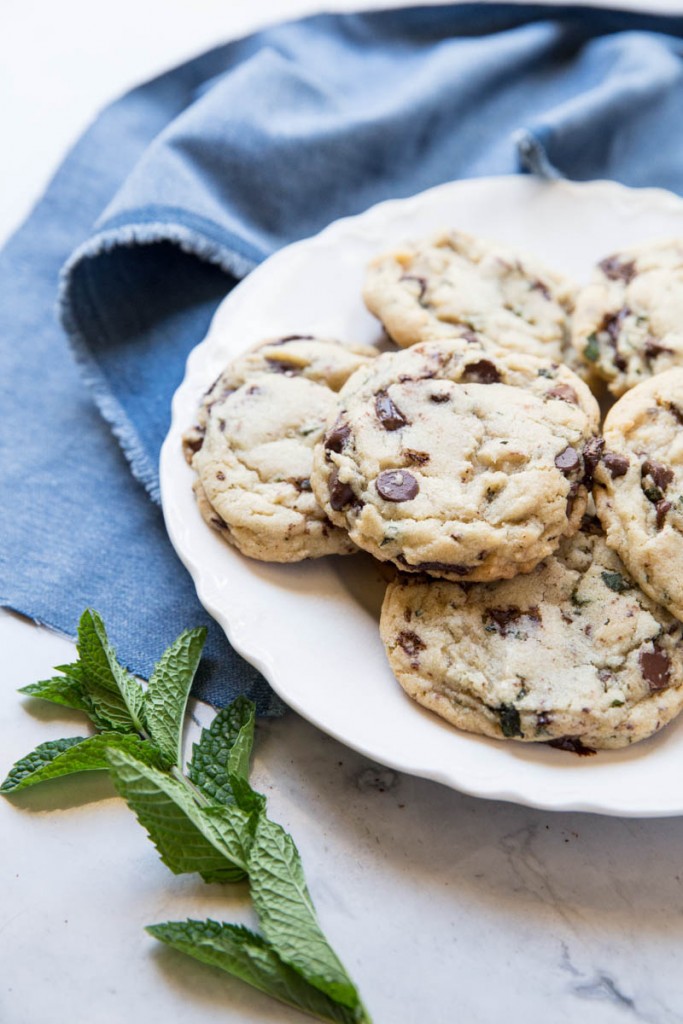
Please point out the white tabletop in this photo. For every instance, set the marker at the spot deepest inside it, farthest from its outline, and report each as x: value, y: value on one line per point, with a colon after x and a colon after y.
x: 443, y: 907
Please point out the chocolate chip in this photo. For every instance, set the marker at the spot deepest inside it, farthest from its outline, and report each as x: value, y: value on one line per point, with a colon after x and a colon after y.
x: 436, y: 567
x: 220, y: 475
x: 661, y: 475
x: 210, y: 399
x: 481, y: 372
x: 571, y: 498
x: 411, y: 643
x: 397, y: 485
x: 568, y: 460
x: 675, y: 412
x: 336, y: 438
x: 283, y: 366
x: 573, y: 744
x: 389, y: 415
x: 468, y: 335
x: 416, y: 458
x: 539, y: 286
x: 662, y: 508
x: 655, y: 668
x: 592, y: 451
x: 193, y: 444
x: 502, y: 618
x: 611, y: 325
x: 618, y: 270
x: 422, y: 281
x: 292, y: 337
x: 341, y: 494
x: 616, y: 464
x: 438, y: 398
x: 543, y: 719
x: 564, y: 392
x: 652, y: 349
x: 591, y: 525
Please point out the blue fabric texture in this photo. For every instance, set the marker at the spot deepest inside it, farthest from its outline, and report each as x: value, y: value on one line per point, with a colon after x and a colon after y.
x: 186, y: 183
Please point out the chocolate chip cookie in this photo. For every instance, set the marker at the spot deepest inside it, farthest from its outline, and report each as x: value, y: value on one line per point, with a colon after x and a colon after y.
x: 455, y: 282
x: 628, y: 322
x: 322, y: 360
x: 453, y: 459
x: 254, y: 468
x: 639, y: 485
x: 574, y: 653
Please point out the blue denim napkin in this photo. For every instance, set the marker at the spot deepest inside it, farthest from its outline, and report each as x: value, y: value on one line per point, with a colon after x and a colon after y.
x: 186, y: 183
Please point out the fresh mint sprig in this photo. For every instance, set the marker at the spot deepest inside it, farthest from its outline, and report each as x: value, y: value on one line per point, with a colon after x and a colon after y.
x: 209, y: 821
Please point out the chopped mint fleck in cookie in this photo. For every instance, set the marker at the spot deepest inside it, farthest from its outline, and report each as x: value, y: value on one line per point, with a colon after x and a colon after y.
x: 592, y: 348
x: 509, y: 720
x: 615, y: 581
x: 390, y: 535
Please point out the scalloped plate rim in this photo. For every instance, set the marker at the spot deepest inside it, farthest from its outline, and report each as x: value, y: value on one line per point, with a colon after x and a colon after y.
x: 487, y: 785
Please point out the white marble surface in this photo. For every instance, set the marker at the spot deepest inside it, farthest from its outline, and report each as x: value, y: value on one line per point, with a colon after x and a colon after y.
x: 443, y: 907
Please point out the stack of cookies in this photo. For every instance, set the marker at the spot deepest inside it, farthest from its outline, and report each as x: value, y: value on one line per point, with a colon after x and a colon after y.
x: 538, y: 594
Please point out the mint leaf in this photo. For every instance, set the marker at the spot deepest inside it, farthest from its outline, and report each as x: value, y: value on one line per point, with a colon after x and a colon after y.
x: 116, y: 696
x: 246, y: 797
x: 223, y: 752
x: 60, y: 690
x: 287, y: 916
x: 76, y: 754
x: 213, y: 823
x: 183, y: 834
x: 71, y: 692
x: 249, y: 957
x: 168, y: 690
x: 241, y: 716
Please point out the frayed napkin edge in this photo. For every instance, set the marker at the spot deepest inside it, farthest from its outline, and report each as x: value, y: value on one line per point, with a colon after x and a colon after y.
x: 70, y: 314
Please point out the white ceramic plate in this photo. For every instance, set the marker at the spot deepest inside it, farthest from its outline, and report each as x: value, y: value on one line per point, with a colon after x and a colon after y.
x: 311, y: 628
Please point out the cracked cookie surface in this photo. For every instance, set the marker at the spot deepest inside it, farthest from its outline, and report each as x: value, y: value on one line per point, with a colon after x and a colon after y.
x: 573, y: 653
x: 628, y: 321
x: 254, y: 468
x: 454, y: 282
x: 639, y: 485
x: 451, y: 459
x: 322, y: 360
